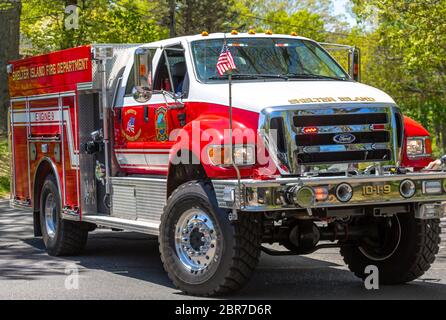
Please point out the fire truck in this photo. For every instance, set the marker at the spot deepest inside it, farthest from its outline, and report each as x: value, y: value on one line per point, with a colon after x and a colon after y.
x: 287, y: 154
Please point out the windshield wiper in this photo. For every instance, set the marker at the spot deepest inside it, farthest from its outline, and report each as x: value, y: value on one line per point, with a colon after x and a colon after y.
x: 287, y: 76
x: 239, y: 76
x: 311, y: 76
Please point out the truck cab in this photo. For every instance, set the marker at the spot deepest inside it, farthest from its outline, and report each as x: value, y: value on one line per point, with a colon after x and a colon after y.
x: 286, y: 149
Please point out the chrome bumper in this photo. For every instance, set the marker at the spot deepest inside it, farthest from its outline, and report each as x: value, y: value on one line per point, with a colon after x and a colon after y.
x: 271, y: 195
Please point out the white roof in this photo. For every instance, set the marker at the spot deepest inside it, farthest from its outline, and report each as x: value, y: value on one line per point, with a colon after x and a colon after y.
x: 221, y: 36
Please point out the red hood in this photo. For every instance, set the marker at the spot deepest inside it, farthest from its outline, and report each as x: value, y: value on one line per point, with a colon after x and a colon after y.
x: 414, y: 129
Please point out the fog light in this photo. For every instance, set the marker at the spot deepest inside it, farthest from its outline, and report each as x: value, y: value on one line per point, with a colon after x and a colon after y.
x: 344, y: 192
x: 432, y: 187
x: 407, y: 188
x: 302, y: 196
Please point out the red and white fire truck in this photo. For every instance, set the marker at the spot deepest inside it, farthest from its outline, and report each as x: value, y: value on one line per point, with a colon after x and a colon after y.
x: 287, y: 149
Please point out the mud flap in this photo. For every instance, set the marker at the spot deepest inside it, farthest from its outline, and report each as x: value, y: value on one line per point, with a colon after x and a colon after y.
x: 36, y: 223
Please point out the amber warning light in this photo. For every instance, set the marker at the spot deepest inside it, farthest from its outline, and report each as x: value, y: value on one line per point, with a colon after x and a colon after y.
x: 310, y: 130
x: 142, y: 70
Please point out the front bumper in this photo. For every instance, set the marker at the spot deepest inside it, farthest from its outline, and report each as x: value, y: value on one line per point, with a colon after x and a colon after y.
x: 367, y: 190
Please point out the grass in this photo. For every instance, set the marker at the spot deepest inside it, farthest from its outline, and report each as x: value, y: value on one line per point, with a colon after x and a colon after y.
x: 4, y: 167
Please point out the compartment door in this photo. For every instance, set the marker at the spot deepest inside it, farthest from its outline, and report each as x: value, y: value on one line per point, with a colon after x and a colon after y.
x: 19, y: 117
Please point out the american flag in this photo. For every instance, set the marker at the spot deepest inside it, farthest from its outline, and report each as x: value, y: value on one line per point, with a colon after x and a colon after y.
x: 131, y: 125
x: 225, y: 61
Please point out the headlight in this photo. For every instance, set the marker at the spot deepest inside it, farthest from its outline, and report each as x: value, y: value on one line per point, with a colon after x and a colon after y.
x: 418, y: 147
x: 244, y: 155
x: 407, y: 188
x: 344, y: 192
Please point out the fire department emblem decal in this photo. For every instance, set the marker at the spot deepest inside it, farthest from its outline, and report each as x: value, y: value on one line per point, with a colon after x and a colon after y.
x: 161, y: 124
x: 129, y: 130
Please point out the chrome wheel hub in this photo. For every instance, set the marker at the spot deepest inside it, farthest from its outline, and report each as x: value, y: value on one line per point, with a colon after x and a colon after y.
x: 196, y: 241
x: 50, y: 215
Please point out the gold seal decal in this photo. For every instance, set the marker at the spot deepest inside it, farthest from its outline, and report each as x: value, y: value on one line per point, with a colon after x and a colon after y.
x: 161, y: 124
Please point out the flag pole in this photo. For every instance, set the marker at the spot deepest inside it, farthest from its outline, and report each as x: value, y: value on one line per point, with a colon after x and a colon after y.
x: 231, y: 136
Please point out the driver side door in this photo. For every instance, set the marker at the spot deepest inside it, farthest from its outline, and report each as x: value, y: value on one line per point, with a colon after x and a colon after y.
x: 142, y: 130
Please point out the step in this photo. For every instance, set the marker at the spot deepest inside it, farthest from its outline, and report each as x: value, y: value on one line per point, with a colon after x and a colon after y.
x: 143, y: 226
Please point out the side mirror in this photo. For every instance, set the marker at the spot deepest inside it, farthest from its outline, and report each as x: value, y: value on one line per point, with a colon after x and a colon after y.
x: 355, y: 64
x: 143, y: 75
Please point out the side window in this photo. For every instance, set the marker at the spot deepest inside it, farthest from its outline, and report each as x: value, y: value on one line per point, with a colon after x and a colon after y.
x: 161, y: 81
x: 177, y: 79
x: 130, y: 84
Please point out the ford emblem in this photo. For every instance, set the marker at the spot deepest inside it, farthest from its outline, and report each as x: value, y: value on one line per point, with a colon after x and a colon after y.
x: 344, y: 138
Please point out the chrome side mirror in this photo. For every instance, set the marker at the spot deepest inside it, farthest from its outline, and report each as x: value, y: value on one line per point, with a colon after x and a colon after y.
x: 355, y: 64
x: 143, y: 75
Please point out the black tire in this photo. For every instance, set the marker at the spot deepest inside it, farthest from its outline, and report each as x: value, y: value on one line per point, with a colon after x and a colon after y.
x: 418, y: 244
x: 66, y: 237
x: 237, y: 243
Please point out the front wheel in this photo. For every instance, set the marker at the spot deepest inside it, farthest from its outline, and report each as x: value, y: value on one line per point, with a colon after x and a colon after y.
x: 401, y: 247
x: 202, y: 251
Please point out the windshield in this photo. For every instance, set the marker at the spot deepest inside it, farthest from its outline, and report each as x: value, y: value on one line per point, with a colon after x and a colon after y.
x: 267, y: 58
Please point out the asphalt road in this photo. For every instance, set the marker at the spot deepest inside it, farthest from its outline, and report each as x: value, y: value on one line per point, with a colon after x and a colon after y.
x: 121, y: 265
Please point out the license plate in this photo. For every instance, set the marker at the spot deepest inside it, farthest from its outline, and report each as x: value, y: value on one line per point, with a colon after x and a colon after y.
x: 376, y: 189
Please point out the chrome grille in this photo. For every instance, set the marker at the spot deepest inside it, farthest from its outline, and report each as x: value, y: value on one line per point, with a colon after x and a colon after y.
x: 342, y: 136
x: 344, y: 156
x: 341, y: 119
x: 354, y: 134
x: 328, y: 138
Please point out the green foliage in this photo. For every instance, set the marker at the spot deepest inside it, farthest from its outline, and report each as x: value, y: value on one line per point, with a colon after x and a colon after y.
x: 126, y: 21
x: 308, y: 18
x: 307, y: 24
x: 5, y: 5
x: 100, y: 21
x: 195, y: 16
x: 407, y: 57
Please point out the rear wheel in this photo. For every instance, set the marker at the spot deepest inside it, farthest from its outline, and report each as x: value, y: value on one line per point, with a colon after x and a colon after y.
x: 202, y: 251
x: 61, y: 237
x: 402, y: 248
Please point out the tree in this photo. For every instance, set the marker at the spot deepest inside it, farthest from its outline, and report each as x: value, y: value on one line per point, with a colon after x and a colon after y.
x: 172, y: 8
x: 303, y: 22
x: 9, y: 49
x: 100, y: 21
x: 409, y: 56
x: 195, y: 16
